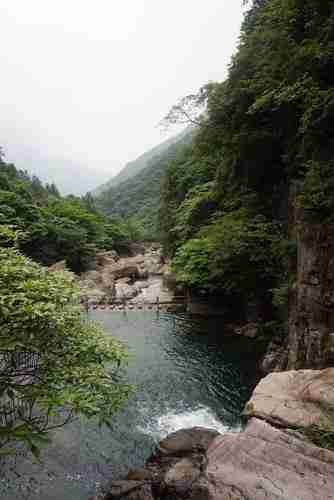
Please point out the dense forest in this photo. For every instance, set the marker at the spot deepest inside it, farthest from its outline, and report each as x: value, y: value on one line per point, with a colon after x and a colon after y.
x: 134, y: 194
x: 262, y: 152
x: 53, y: 228
x: 44, y: 340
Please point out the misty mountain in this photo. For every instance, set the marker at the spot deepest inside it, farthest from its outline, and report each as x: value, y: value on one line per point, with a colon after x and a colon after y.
x: 147, y: 159
x: 70, y: 177
x: 138, y: 196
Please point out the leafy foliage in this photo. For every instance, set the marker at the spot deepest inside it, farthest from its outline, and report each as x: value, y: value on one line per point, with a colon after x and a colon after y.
x: 53, y: 364
x: 266, y: 131
x: 57, y: 228
x: 137, y: 198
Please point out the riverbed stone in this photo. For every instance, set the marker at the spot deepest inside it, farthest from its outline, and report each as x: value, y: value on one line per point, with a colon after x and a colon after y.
x: 106, y: 258
x: 262, y: 462
x: 183, y: 471
x: 250, y: 330
x: 187, y: 440
x: 123, y: 487
x: 58, y: 266
x: 140, y: 474
x: 125, y: 291
x: 294, y: 399
x: 141, y: 284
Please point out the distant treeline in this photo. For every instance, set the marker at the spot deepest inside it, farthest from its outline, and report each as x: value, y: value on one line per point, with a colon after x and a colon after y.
x: 53, y: 228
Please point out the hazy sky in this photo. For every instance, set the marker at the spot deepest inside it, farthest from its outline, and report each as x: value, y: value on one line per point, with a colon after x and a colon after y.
x: 86, y: 82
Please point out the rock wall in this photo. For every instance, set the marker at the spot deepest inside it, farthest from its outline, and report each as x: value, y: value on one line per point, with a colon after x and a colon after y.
x: 311, y: 320
x: 308, y: 341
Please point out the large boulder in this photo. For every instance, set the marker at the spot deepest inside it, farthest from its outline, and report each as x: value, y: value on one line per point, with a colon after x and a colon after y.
x: 141, y: 284
x: 106, y: 258
x: 270, y: 459
x: 58, y: 266
x: 262, y: 462
x: 125, y: 291
x: 123, y: 270
x: 131, y: 267
x: 154, y: 264
x: 250, y: 330
x: 294, y: 399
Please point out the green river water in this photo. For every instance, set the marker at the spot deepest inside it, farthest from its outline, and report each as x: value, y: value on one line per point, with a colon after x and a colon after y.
x: 186, y: 373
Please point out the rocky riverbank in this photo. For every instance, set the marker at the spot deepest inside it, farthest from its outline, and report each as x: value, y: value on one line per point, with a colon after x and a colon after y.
x: 141, y: 278
x: 276, y: 456
x: 122, y: 278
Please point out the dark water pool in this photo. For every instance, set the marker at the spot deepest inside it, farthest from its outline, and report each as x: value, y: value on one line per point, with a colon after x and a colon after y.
x: 186, y: 372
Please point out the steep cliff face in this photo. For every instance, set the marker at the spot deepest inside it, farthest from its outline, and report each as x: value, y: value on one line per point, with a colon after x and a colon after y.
x: 310, y: 342
x: 309, y: 338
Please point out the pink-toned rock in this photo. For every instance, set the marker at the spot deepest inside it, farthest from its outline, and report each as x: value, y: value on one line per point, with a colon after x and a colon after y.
x: 260, y: 463
x: 266, y: 463
x: 295, y: 398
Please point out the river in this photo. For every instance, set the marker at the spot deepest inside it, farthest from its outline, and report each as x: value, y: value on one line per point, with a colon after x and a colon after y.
x: 186, y: 373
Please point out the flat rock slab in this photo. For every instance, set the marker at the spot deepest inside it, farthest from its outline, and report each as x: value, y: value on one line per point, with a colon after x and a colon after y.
x: 295, y: 398
x: 260, y: 463
x: 266, y: 463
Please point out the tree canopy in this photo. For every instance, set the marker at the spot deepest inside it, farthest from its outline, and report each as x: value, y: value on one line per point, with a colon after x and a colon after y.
x: 57, y: 228
x: 54, y: 364
x: 263, y: 149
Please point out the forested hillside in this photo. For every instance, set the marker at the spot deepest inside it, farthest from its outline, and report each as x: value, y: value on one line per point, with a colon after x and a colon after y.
x: 138, y: 196
x: 261, y: 164
x: 134, y: 167
x: 53, y: 228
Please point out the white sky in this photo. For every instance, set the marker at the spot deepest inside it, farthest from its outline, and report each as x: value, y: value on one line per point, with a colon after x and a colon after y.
x: 88, y: 81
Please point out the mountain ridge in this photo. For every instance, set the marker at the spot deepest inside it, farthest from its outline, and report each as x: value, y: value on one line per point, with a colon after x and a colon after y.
x: 133, y: 167
x: 137, y: 197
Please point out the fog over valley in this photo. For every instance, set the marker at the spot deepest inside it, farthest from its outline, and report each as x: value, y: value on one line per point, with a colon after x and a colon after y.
x: 83, y: 89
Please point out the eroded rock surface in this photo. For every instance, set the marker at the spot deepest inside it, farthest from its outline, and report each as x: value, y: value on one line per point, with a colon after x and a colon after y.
x: 295, y: 398
x: 262, y: 462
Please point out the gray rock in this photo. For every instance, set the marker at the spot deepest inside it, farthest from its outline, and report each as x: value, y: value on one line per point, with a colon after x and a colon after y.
x: 140, y: 285
x: 184, y: 470
x: 187, y: 440
x: 262, y: 462
x: 125, y: 291
x: 139, y: 475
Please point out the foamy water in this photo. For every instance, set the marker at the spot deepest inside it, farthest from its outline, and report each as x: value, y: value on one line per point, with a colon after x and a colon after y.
x: 160, y: 426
